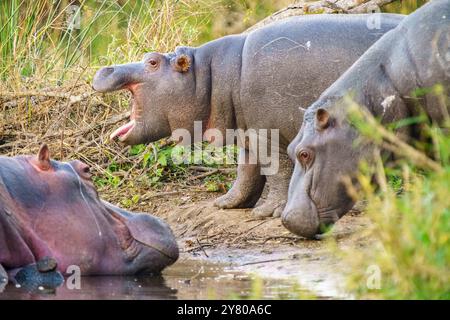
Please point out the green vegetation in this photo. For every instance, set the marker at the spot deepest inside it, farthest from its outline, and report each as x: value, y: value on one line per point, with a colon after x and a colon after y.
x: 51, y: 40
x: 403, y: 6
x: 410, y: 208
x: 164, y: 162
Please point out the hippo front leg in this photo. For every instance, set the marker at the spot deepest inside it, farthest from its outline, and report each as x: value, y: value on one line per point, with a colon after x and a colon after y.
x: 278, y: 189
x: 247, y: 188
x: 43, y: 274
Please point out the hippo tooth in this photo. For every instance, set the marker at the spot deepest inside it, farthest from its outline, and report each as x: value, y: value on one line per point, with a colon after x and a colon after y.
x: 123, y: 130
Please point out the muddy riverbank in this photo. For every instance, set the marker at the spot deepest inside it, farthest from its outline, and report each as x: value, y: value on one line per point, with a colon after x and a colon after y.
x: 264, y: 248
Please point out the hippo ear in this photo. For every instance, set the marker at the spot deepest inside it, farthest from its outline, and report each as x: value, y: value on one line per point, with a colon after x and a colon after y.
x: 322, y: 118
x: 181, y: 63
x: 43, y: 157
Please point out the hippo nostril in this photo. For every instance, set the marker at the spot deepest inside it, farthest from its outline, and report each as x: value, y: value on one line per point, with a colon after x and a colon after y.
x: 107, y: 71
x: 104, y: 80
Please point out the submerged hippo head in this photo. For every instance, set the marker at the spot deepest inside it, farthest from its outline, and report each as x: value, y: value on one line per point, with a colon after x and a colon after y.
x: 164, y: 94
x: 50, y: 208
x: 324, y: 153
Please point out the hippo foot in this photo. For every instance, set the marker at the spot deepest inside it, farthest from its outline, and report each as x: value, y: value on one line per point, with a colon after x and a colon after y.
x: 231, y: 200
x: 40, y: 276
x: 227, y: 201
x: 269, y: 209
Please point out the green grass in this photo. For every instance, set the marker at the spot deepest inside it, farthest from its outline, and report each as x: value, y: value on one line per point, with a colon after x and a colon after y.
x: 410, y: 210
x: 403, y: 6
x: 36, y: 42
x: 156, y: 162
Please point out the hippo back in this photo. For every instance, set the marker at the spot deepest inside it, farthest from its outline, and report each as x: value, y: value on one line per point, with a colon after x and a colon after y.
x: 287, y: 64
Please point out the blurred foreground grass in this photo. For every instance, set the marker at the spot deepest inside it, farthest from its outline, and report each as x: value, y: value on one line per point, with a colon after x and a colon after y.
x: 410, y: 208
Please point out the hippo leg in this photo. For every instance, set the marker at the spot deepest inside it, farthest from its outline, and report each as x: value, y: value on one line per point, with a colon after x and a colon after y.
x: 278, y: 190
x: 41, y: 274
x: 247, y: 188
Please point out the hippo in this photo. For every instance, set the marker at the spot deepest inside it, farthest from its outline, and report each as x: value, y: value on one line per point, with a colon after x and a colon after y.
x: 40, y: 275
x: 245, y: 81
x: 51, y: 218
x: 414, y: 55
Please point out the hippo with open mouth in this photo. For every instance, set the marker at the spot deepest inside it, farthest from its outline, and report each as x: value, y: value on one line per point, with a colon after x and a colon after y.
x: 247, y: 81
x: 52, y: 209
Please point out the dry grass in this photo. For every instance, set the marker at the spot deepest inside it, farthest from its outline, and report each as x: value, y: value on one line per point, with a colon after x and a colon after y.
x: 45, y: 92
x: 74, y: 127
x: 76, y: 122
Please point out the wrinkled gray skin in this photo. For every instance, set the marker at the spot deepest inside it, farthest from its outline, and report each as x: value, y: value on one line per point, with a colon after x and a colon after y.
x: 414, y: 55
x: 256, y: 80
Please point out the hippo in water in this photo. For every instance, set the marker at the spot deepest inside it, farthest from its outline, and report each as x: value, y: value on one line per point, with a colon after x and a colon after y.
x: 414, y: 55
x: 51, y: 209
x: 246, y: 81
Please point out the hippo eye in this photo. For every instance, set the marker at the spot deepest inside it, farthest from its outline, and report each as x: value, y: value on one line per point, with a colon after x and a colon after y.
x: 152, y: 63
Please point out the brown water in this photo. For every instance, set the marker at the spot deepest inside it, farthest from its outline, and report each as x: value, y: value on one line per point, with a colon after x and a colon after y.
x: 185, y: 280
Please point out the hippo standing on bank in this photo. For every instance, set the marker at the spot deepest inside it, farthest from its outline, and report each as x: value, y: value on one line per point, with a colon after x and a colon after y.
x: 51, y: 209
x: 247, y: 81
x: 414, y: 55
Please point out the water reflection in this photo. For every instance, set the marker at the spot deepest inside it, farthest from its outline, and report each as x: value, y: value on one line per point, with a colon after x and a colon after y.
x: 103, y: 288
x: 185, y: 280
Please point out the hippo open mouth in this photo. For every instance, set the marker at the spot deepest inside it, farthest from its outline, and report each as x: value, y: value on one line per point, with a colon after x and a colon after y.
x: 125, y: 77
x: 124, y: 131
x: 163, y: 94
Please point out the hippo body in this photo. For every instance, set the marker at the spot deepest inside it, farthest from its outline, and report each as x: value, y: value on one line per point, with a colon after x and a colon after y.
x: 415, y: 55
x: 247, y: 81
x: 51, y: 209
